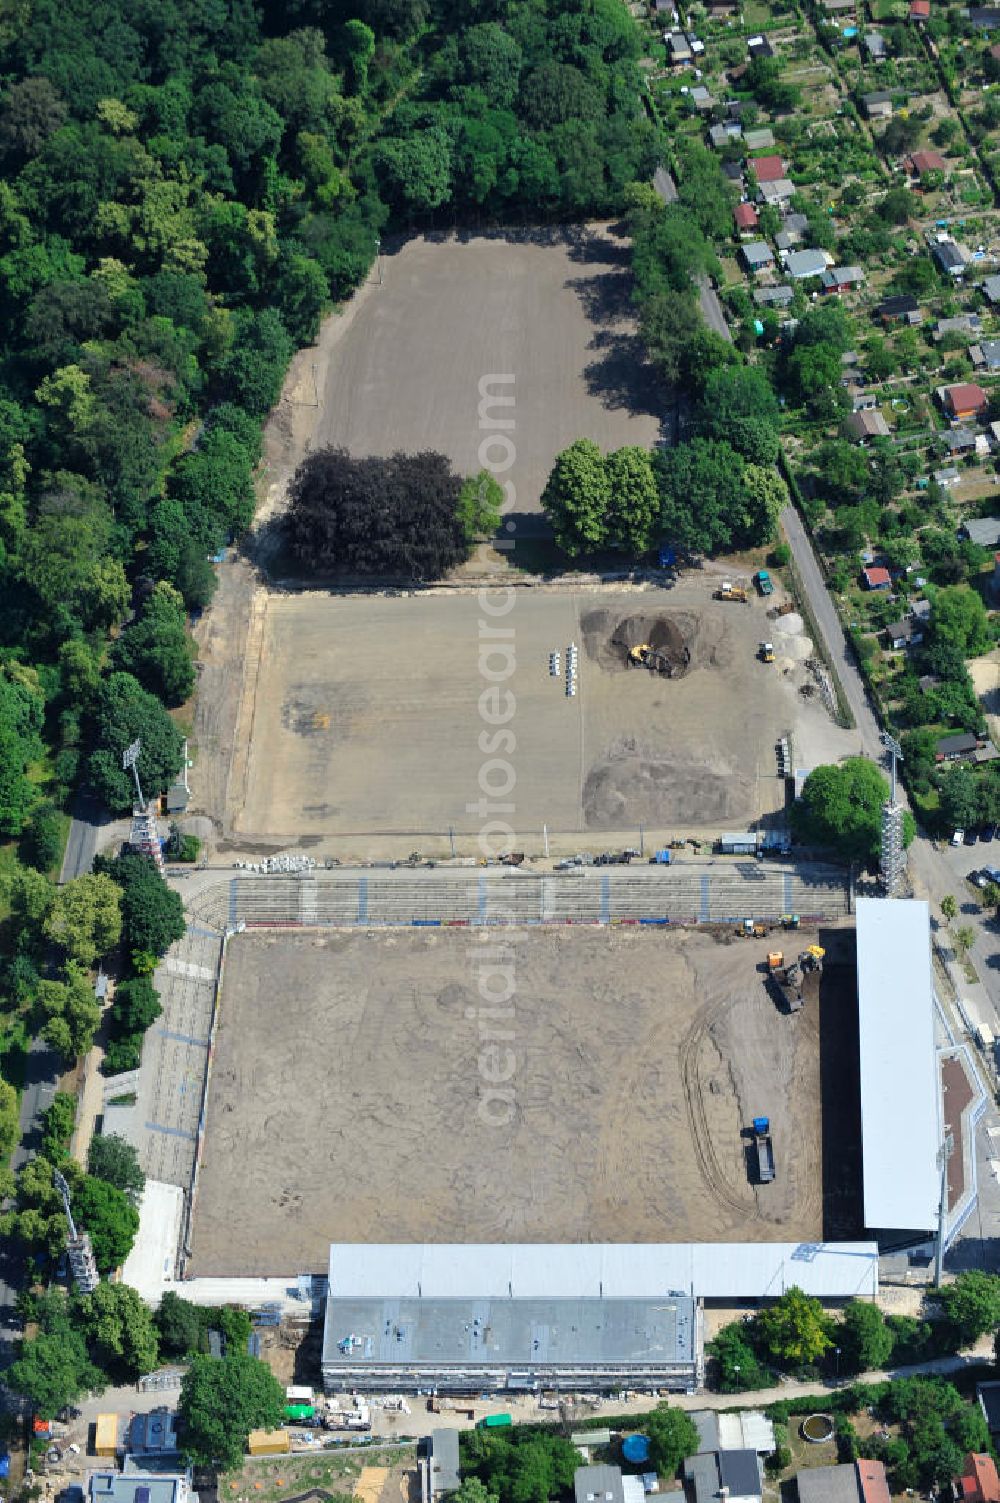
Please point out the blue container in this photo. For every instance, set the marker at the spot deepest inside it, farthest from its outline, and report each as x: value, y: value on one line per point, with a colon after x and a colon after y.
x: 635, y: 1449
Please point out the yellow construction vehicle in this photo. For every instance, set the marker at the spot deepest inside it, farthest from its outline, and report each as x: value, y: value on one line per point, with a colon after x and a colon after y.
x: 645, y: 656
x: 766, y: 652
x: 775, y: 960
x: 752, y: 929
x: 816, y: 954
x: 729, y: 591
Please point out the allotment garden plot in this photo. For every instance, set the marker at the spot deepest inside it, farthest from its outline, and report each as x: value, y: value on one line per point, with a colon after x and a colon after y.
x: 357, y: 1093
x: 367, y: 715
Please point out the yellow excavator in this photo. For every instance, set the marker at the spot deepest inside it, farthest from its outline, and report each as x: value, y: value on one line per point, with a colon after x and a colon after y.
x: 644, y: 656
x: 766, y: 652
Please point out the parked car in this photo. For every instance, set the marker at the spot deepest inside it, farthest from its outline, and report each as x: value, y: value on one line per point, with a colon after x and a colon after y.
x: 958, y: 837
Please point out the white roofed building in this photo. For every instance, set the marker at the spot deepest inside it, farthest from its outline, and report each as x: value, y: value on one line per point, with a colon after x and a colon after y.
x: 900, y: 1095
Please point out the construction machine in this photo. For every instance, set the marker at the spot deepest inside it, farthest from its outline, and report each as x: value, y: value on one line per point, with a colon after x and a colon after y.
x: 729, y: 591
x: 766, y: 652
x: 752, y: 929
x: 789, y: 921
x: 645, y: 656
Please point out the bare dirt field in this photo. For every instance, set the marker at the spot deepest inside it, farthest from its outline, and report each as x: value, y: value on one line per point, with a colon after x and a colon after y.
x: 356, y: 1094
x: 363, y: 715
x: 400, y: 367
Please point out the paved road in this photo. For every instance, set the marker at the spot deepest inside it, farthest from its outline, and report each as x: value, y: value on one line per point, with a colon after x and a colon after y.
x: 43, y: 1066
x: 825, y: 613
x: 89, y: 818
x: 711, y: 308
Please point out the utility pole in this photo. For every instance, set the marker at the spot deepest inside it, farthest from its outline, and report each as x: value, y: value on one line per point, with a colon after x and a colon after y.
x: 378, y: 259
x: 893, y: 858
x: 81, y: 1254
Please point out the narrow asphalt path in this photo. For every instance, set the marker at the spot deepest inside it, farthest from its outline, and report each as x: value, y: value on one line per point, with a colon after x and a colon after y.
x: 711, y: 308
x: 44, y: 1066
x: 835, y: 641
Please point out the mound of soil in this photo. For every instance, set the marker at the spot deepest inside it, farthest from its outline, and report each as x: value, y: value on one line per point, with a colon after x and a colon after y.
x: 608, y: 638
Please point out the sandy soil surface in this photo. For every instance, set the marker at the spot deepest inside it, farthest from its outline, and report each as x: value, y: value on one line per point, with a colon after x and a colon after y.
x: 985, y: 673
x: 362, y: 716
x: 400, y: 367
x: 350, y: 1096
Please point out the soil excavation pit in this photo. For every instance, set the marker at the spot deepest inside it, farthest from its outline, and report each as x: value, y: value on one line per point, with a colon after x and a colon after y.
x: 356, y: 1094
x: 666, y: 636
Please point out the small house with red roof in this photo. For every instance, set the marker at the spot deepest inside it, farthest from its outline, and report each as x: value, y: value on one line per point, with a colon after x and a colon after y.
x: 979, y: 1482
x: 768, y: 169
x: 876, y: 577
x: 745, y: 217
x: 919, y: 163
x: 920, y: 11
x: 965, y: 400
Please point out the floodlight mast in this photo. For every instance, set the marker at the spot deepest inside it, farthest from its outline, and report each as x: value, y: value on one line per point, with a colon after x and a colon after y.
x: 130, y: 757
x: 895, y: 751
x: 59, y: 1180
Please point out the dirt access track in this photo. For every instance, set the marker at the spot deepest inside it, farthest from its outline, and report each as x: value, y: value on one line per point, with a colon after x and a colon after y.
x: 362, y: 715
x: 357, y: 1093
x: 400, y: 367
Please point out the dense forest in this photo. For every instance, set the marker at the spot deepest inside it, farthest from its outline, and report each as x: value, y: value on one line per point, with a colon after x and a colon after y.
x: 186, y: 187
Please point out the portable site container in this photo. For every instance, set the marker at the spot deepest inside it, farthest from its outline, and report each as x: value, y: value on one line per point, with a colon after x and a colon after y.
x: 268, y: 1443
x: 106, y: 1435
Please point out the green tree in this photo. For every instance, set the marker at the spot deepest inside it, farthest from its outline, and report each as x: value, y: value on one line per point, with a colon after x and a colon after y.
x: 864, y: 1339
x: 516, y: 1468
x: 359, y: 46
x: 958, y: 618
x: 58, y: 1121
x: 10, y: 1129
x: 965, y: 938
x: 634, y: 500
x: 116, y: 1161
x: 156, y: 649
x: 54, y: 1370
x: 737, y: 1366
x: 738, y: 405
x: 112, y: 1221
x: 85, y: 918
x: 970, y: 1305
x: 472, y: 1490
x: 70, y: 1010
x: 480, y: 506
x: 221, y: 1401
x: 794, y: 1330
x: 180, y: 1325
x: 704, y: 502
x: 959, y: 797
x: 416, y: 171
x: 672, y: 1437
x: 152, y: 913
x: 41, y: 843
x: 577, y: 498
x: 841, y: 808
x: 949, y: 907
x: 124, y: 712
x: 121, y: 1324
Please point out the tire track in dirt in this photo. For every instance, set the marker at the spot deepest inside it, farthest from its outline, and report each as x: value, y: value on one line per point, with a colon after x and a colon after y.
x: 712, y: 1170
